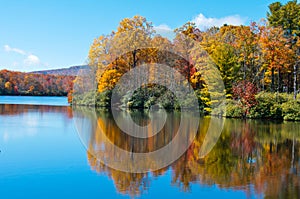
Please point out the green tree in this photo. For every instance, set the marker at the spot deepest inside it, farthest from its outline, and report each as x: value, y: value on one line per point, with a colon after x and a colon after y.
x: 227, y: 62
x: 285, y: 16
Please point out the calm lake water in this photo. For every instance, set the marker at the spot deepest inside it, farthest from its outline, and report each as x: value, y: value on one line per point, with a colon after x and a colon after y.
x: 53, y: 101
x: 43, y: 155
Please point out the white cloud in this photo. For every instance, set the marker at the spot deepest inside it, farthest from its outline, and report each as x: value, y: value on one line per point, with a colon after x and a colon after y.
x: 203, y: 22
x: 29, y: 59
x: 32, y: 60
x: 7, y: 48
x: 164, y: 30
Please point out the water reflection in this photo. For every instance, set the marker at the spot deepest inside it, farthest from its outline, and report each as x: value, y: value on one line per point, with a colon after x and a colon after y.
x: 19, y: 121
x: 19, y: 109
x: 259, y: 157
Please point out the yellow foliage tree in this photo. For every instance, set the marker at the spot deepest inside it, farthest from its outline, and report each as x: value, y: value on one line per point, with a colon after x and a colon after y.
x: 8, y: 86
x: 109, y: 79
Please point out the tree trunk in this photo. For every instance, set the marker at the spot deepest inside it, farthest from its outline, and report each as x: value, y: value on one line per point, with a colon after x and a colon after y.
x: 134, y: 59
x: 279, y: 81
x: 289, y: 83
x: 295, y: 80
x: 273, y: 80
x: 263, y: 80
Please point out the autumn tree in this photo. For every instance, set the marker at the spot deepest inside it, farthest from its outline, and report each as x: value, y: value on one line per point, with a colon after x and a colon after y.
x: 184, y: 42
x: 245, y: 92
x: 132, y: 37
x: 288, y: 18
x: 100, y: 54
x: 8, y: 87
x: 277, y: 54
x: 249, y: 52
x: 117, y: 53
x: 1, y: 85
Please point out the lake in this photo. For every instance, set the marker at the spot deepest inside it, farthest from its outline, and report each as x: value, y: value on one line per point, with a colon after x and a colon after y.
x: 53, y: 101
x: 55, y: 152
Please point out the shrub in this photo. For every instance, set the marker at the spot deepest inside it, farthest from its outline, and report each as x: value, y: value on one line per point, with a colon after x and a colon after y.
x: 234, y: 109
x: 262, y: 109
x: 276, y: 111
x: 291, y: 110
x: 103, y: 99
x: 90, y: 99
x: 269, y: 105
x: 148, y: 96
x: 86, y: 99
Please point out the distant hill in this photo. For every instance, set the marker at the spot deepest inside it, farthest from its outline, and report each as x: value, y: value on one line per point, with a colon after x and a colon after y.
x: 31, y: 84
x: 71, y: 71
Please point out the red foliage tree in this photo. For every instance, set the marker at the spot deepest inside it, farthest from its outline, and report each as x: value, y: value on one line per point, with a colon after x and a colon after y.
x: 245, y: 92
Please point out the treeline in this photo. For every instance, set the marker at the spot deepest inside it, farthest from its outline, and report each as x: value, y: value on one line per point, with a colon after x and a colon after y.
x: 19, y: 83
x: 261, y: 57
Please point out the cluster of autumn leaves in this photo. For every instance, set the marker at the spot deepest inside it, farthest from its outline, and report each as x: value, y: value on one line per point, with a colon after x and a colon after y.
x: 18, y: 83
x: 263, y: 54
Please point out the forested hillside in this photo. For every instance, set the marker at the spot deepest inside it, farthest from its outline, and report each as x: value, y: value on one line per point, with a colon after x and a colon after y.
x: 71, y: 71
x: 18, y: 83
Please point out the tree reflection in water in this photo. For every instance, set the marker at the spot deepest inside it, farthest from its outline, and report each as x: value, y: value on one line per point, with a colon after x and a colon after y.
x: 258, y: 157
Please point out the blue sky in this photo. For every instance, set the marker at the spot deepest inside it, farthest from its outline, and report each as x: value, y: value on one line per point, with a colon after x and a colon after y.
x: 38, y: 35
